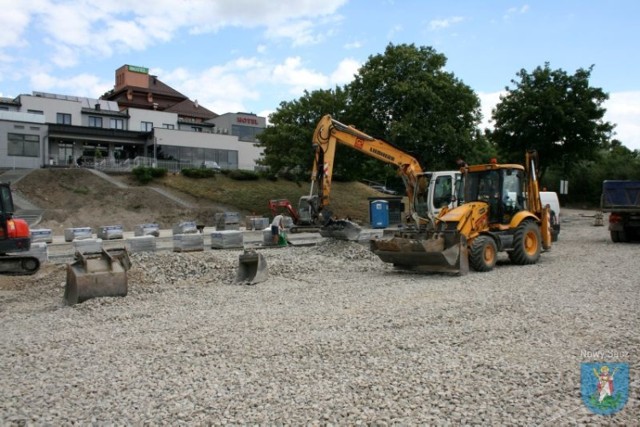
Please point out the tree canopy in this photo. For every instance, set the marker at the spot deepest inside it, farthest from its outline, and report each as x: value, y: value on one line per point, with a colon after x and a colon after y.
x: 402, y: 96
x: 558, y: 114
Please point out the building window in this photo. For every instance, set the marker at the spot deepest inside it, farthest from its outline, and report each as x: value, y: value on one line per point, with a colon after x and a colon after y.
x: 168, y: 126
x: 35, y: 111
x: 196, y: 129
x: 245, y: 133
x: 63, y: 119
x: 23, y: 145
x: 116, y: 124
x: 146, y: 126
x: 95, y: 122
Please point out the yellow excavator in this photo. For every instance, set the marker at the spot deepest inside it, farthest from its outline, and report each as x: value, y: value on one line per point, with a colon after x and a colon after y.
x: 315, y: 207
x: 502, y: 211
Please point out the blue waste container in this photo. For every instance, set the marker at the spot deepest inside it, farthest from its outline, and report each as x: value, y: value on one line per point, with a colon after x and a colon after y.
x: 379, y: 213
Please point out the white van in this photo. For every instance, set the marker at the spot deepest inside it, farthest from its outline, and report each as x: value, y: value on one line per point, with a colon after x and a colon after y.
x: 551, y: 198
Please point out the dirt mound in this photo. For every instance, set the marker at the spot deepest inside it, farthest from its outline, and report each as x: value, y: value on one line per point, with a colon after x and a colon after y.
x: 78, y: 198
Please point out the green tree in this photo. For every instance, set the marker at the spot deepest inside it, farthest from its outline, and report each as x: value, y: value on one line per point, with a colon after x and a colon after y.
x: 558, y: 114
x: 405, y: 97
x: 287, y: 139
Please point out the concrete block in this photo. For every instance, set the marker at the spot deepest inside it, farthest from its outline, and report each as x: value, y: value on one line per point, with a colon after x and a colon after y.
x: 147, y: 230
x: 188, y: 242
x: 141, y: 244
x: 41, y: 235
x: 87, y: 245
x: 77, y: 233
x: 185, y: 227
x: 227, y: 239
x: 109, y: 232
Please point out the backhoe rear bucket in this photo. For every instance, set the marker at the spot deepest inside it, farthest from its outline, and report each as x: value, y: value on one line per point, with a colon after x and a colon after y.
x: 438, y: 254
x: 252, y: 268
x: 341, y: 229
x: 100, y: 274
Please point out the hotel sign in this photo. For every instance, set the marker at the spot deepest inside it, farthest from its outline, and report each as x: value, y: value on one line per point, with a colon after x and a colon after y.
x: 136, y: 69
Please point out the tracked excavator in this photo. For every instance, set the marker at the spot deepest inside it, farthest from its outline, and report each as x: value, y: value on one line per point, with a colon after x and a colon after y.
x: 15, y: 237
x: 502, y: 211
x: 424, y: 201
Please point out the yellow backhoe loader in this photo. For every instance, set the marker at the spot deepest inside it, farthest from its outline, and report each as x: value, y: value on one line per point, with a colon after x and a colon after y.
x: 502, y: 211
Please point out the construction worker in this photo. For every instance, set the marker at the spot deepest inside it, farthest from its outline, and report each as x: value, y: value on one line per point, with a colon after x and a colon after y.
x: 276, y: 227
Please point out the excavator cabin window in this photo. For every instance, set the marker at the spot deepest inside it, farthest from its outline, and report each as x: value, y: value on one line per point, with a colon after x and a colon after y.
x: 501, y: 189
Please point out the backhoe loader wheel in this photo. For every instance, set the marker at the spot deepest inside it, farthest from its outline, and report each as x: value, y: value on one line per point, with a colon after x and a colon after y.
x: 483, y: 254
x: 527, y: 244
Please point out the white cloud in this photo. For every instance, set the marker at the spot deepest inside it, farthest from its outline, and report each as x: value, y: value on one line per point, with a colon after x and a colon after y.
x: 511, y: 12
x: 353, y: 45
x: 292, y: 73
x: 394, y: 30
x: 345, y: 71
x: 86, y: 85
x: 440, y: 24
x: 488, y: 101
x: 623, y: 110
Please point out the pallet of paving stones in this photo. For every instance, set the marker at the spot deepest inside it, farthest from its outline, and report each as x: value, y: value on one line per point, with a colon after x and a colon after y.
x: 149, y: 229
x: 141, y: 244
x: 188, y: 242
x: 77, y: 233
x: 41, y: 235
x: 227, y: 239
x: 185, y: 227
x: 227, y: 221
x: 109, y: 232
x: 87, y: 246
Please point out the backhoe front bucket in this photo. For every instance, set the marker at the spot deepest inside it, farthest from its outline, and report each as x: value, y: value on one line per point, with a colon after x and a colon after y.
x: 100, y: 274
x: 341, y: 229
x: 252, y: 268
x: 438, y: 254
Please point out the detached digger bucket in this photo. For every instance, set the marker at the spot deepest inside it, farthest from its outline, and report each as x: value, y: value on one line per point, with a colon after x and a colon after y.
x: 341, y: 230
x: 435, y: 255
x: 252, y: 268
x: 93, y: 275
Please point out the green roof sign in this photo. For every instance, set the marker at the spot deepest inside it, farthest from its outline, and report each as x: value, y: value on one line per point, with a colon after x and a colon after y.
x: 136, y: 69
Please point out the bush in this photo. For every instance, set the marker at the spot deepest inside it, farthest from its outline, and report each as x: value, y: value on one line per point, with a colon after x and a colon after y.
x: 243, y: 175
x: 145, y: 175
x: 198, y: 173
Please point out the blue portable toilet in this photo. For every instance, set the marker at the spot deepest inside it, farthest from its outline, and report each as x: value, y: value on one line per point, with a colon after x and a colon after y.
x: 379, y: 213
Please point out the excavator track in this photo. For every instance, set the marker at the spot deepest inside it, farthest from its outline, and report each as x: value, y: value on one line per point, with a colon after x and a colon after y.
x: 17, y: 265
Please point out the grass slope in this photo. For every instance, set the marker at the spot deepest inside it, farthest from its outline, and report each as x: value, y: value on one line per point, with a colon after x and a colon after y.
x: 347, y: 199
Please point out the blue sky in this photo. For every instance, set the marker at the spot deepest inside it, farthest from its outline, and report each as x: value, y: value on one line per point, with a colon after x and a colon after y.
x: 250, y: 55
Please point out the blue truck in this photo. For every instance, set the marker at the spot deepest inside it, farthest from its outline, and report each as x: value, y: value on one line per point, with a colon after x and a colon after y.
x: 621, y: 199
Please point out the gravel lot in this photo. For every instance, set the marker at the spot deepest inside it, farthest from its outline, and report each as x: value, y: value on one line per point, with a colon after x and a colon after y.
x: 333, y: 337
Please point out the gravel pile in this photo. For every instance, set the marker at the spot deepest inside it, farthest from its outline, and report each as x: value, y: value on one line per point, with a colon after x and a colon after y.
x: 334, y: 336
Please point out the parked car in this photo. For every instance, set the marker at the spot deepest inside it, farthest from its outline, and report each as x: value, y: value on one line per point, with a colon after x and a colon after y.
x: 211, y: 165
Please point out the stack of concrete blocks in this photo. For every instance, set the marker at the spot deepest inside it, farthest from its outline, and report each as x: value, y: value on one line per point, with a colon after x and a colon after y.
x: 227, y: 239
x: 41, y: 235
x: 77, y: 233
x: 257, y: 223
x: 185, y: 227
x: 39, y: 250
x: 147, y: 230
x: 109, y: 232
x: 287, y: 222
x: 227, y: 221
x: 267, y: 237
x: 141, y: 244
x: 87, y: 246
x: 188, y: 242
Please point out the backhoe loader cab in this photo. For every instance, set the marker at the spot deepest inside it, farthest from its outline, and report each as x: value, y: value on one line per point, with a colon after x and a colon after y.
x: 501, y: 188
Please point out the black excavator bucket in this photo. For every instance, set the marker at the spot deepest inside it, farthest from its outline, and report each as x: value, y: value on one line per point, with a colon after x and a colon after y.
x: 252, y: 268
x: 100, y: 274
x: 438, y: 254
x: 341, y: 229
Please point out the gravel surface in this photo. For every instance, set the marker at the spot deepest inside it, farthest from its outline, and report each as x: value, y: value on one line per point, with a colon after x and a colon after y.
x: 334, y: 336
